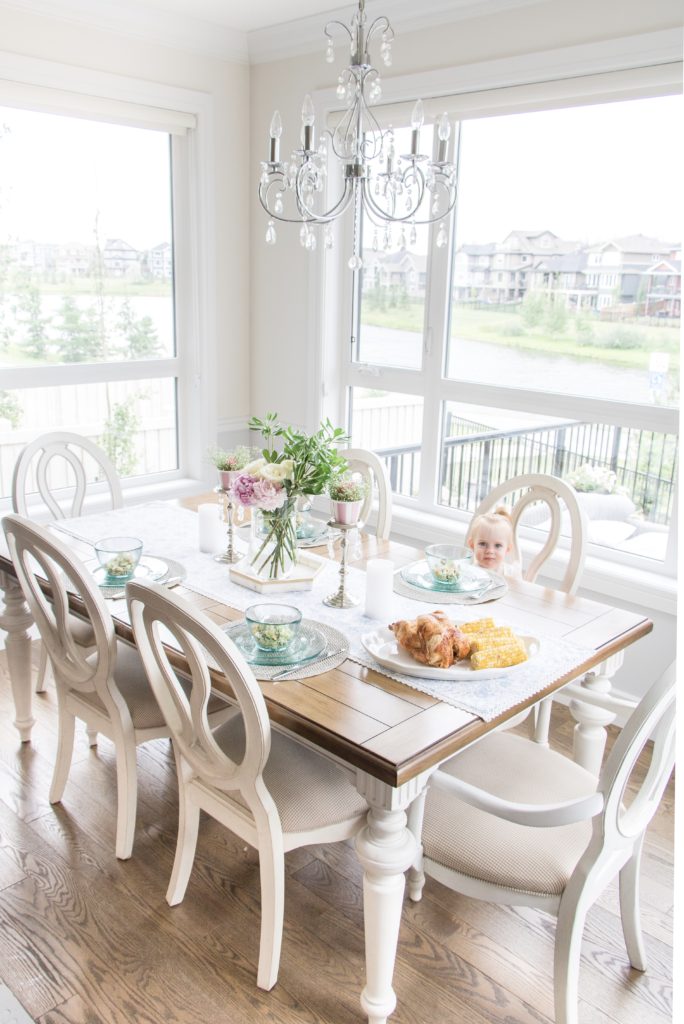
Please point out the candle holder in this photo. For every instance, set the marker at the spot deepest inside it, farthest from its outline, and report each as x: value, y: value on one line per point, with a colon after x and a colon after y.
x: 340, y: 599
x: 230, y: 556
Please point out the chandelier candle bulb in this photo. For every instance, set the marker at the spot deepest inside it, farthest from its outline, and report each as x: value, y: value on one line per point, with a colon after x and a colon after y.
x: 379, y: 587
x: 276, y: 131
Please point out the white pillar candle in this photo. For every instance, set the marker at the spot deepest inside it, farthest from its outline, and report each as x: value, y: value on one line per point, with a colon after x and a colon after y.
x: 379, y: 588
x: 212, y: 532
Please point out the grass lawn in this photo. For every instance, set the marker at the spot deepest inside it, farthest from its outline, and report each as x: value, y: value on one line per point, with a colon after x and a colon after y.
x: 509, y: 329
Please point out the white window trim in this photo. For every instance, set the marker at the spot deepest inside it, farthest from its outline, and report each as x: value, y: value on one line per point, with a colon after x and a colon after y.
x: 188, y: 115
x: 645, y: 65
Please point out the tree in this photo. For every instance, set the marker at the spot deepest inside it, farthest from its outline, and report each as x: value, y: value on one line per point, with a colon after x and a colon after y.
x: 556, y: 316
x: 10, y: 409
x: 533, y: 309
x: 29, y: 308
x: 80, y: 336
x: 139, y: 333
x: 118, y: 437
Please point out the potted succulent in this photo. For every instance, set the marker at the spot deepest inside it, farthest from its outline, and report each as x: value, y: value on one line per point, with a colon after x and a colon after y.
x: 347, y: 494
x: 230, y: 463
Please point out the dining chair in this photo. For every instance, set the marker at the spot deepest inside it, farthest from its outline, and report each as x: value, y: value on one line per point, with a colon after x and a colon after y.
x: 78, y: 458
x: 275, y: 793
x: 515, y: 823
x: 104, y: 685
x: 531, y: 490
x: 374, y: 473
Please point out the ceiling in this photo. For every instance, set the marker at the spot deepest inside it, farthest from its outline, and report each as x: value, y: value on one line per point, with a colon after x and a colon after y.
x: 243, y: 15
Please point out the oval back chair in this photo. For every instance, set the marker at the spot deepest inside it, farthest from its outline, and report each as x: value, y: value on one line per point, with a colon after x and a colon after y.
x: 514, y: 823
x: 374, y: 473
x: 104, y: 684
x: 273, y: 792
x: 73, y: 451
x: 536, y: 487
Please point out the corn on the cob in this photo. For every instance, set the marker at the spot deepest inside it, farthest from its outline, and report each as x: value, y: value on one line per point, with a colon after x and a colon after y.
x: 477, y: 626
x: 495, y: 638
x: 499, y: 657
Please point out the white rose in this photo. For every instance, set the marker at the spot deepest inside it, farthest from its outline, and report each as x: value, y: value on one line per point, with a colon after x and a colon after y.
x: 255, y: 468
x: 278, y: 472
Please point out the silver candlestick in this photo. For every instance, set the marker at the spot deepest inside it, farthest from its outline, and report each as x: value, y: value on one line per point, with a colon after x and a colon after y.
x: 230, y: 555
x: 340, y: 599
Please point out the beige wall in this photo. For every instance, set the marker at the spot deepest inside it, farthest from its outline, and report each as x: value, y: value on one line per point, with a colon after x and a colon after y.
x: 280, y: 277
x: 227, y: 83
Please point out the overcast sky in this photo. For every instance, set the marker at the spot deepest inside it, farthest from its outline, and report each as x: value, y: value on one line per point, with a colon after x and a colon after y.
x: 586, y: 173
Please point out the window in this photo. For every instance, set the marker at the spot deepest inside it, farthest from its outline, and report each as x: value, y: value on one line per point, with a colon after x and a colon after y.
x: 87, y: 326
x: 558, y: 368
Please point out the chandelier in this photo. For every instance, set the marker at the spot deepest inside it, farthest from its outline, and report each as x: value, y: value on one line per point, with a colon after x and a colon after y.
x: 391, y: 189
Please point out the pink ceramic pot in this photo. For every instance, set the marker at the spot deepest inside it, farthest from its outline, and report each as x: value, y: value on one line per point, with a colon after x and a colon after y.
x: 346, y: 512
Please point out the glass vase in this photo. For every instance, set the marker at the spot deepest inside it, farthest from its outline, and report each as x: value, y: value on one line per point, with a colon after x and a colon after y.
x: 273, y: 542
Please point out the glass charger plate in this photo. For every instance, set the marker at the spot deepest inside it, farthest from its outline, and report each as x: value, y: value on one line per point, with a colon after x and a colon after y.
x: 148, y: 568
x: 310, y: 643
x: 312, y: 533
x: 383, y: 646
x: 418, y: 575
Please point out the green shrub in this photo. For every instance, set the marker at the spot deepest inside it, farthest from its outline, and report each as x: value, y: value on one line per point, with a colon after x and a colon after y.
x: 625, y: 337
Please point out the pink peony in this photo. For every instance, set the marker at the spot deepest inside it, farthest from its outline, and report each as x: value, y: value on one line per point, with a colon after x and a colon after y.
x: 243, y: 488
x: 268, y: 496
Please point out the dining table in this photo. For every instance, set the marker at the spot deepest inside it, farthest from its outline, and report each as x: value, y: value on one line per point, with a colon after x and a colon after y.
x: 389, y: 730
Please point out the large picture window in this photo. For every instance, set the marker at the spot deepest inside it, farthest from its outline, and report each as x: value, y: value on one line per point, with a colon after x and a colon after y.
x: 545, y: 336
x: 87, y: 321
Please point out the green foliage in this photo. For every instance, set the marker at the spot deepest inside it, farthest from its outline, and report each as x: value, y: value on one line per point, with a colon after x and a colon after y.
x: 584, y: 330
x: 139, y: 333
x: 80, y: 338
x: 315, y: 456
x: 118, y: 436
x: 533, y: 309
x: 10, y: 409
x: 556, y: 317
x: 625, y: 337
x: 28, y: 316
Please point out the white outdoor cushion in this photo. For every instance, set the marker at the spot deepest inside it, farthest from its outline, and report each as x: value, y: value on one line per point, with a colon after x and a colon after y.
x: 609, y: 532
x: 481, y: 846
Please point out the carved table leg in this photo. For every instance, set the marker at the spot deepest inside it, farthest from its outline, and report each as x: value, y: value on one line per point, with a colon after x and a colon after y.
x: 16, y: 619
x: 590, y: 732
x: 385, y: 848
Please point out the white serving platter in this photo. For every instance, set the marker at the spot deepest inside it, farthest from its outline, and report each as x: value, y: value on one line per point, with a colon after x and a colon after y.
x: 382, y: 645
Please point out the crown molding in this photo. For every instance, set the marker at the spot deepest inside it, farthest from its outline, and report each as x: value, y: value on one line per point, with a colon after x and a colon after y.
x: 128, y: 18
x: 305, y: 35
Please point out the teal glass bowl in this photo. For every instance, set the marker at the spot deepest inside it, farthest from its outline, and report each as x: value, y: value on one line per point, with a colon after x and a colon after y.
x: 273, y: 627
x: 119, y: 557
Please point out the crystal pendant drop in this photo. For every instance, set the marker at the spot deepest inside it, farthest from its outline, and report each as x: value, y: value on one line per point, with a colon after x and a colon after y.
x: 387, y: 241
x: 355, y: 262
x: 374, y: 91
x: 402, y: 240
x: 413, y: 237
x: 341, y: 90
x: 328, y: 240
x: 311, y: 242
x: 441, y: 236
x: 278, y: 204
x: 270, y: 233
x: 435, y: 206
x: 303, y: 234
x: 330, y: 52
x: 376, y: 244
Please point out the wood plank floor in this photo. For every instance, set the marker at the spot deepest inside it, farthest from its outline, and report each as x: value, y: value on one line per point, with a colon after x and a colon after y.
x: 87, y: 939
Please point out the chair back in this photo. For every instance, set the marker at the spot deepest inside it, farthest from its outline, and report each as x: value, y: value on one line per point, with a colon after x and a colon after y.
x: 59, y: 450
x: 373, y: 472
x: 156, y: 614
x: 625, y: 820
x: 537, y: 487
x: 41, y: 558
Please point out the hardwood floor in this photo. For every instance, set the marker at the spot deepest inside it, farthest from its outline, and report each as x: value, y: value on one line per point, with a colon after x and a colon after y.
x: 87, y: 939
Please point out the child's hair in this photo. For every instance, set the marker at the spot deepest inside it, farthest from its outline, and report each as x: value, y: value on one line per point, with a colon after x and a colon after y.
x: 495, y: 518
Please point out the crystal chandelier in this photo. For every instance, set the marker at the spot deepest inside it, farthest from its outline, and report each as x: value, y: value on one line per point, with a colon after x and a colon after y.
x: 391, y: 189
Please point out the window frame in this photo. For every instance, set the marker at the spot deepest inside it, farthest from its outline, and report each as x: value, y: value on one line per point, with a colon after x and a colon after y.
x: 636, y: 67
x: 49, y: 86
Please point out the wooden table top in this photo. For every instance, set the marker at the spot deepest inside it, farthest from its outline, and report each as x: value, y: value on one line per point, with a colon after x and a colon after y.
x: 389, y: 730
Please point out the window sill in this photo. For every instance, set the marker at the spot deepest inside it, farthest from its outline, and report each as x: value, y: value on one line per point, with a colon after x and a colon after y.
x: 649, y: 589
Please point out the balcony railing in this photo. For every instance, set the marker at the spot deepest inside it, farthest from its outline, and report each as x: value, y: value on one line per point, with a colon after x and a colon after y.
x: 472, y: 463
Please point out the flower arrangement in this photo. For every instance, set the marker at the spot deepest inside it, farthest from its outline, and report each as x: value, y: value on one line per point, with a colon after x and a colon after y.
x: 347, y: 488
x: 270, y: 486
x: 589, y: 477
x: 231, y: 461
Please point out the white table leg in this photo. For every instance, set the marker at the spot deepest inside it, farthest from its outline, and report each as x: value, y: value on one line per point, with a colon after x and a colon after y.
x: 590, y: 735
x: 16, y: 619
x: 386, y: 849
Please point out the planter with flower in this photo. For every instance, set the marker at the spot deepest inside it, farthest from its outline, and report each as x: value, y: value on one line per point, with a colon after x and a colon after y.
x: 347, y: 494
x: 229, y: 464
x: 591, y: 479
x: 271, y: 485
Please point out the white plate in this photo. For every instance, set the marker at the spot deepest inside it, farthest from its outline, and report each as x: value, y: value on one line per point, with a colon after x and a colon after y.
x: 382, y: 646
x: 149, y: 567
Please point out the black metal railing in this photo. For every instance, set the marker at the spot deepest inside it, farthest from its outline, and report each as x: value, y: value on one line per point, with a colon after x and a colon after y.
x: 472, y: 463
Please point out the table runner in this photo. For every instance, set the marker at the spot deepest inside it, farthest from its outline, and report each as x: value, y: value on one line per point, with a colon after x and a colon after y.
x: 168, y: 530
